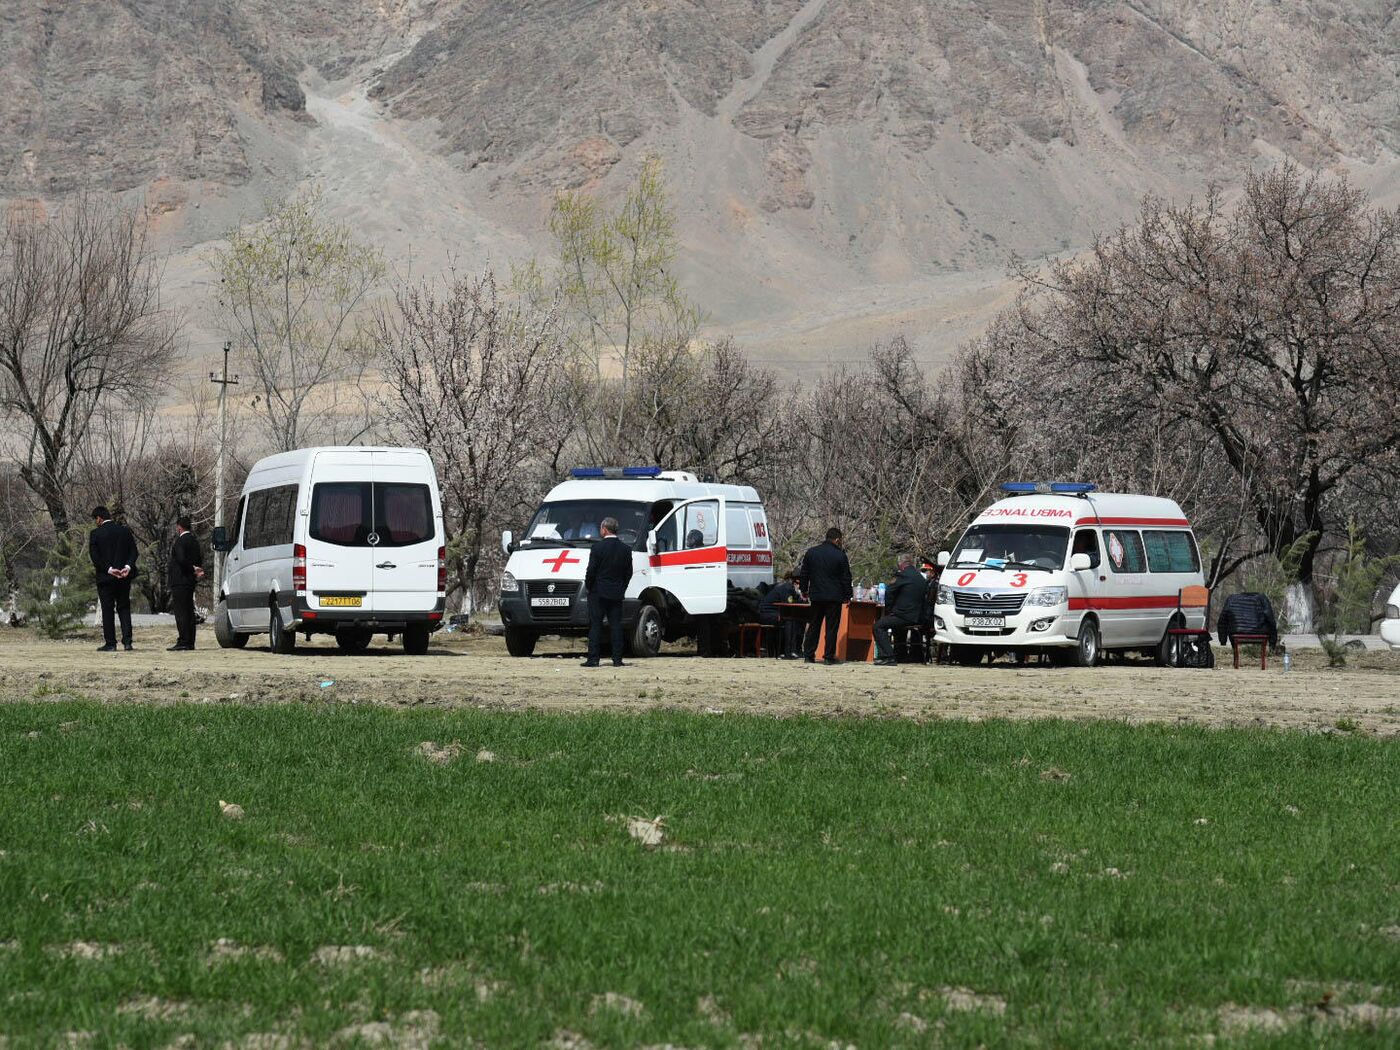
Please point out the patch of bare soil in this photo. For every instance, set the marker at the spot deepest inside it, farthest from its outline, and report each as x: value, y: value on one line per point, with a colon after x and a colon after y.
x: 476, y: 672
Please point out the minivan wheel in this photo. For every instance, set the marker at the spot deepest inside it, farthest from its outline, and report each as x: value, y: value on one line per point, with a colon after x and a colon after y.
x: 520, y: 642
x: 353, y: 639
x: 646, y: 634
x: 224, y: 633
x: 1086, y: 653
x: 415, y: 639
x: 279, y: 639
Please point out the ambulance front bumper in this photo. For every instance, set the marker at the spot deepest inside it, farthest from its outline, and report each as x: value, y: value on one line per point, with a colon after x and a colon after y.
x: 516, y: 611
x: 1032, y: 626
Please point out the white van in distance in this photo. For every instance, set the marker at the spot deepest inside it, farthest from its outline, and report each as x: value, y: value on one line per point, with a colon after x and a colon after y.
x: 1390, y: 626
x: 1061, y: 569
x: 694, y: 545
x: 343, y: 541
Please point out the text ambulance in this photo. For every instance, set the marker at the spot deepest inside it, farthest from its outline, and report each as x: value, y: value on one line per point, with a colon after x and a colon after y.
x: 695, y: 546
x: 1059, y: 568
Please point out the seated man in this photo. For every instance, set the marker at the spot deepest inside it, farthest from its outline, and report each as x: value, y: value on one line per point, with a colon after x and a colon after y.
x: 904, y: 608
x: 789, y: 627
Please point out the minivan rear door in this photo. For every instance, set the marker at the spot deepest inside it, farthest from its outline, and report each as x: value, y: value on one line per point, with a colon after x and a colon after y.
x: 339, y: 553
x: 406, y: 533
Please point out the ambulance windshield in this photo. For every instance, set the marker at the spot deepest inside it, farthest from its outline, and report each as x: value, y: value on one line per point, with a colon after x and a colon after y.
x: 1012, y: 546
x: 573, y: 523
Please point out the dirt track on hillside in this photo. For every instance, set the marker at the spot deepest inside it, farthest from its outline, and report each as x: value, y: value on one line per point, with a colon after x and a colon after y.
x: 476, y: 672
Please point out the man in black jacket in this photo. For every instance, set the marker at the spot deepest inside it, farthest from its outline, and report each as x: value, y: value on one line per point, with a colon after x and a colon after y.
x: 609, y: 573
x: 112, y: 548
x: 789, y: 633
x: 904, y: 608
x: 826, y: 579
x: 184, y: 571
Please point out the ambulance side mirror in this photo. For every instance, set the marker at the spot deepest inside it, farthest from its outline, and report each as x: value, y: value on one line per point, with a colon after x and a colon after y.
x: 943, y: 559
x: 219, y: 541
x: 507, y: 541
x: 1080, y: 562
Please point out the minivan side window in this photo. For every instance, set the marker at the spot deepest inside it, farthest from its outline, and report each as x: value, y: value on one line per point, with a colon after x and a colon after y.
x: 1125, y: 553
x: 1171, y: 551
x: 1086, y: 541
x: 270, y: 518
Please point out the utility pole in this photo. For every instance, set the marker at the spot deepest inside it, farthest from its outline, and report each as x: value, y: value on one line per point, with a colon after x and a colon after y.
x: 224, y: 381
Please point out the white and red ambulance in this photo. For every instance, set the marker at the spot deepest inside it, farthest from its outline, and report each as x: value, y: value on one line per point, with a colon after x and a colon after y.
x: 1058, y: 567
x: 698, y: 550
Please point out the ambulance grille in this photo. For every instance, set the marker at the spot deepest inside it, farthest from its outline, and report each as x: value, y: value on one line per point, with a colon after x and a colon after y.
x: 562, y: 589
x: 978, y: 602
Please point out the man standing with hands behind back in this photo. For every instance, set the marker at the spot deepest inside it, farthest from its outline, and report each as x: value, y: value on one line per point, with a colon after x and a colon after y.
x: 112, y: 548
x: 184, y: 571
x: 609, y: 573
x: 826, y: 579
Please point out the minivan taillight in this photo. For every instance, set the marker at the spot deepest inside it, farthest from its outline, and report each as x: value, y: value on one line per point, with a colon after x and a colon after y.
x: 299, y: 568
x: 442, y: 571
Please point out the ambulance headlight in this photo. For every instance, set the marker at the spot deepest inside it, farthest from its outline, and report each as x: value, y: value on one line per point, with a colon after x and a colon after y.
x: 509, y: 584
x: 944, y: 595
x: 1048, y: 597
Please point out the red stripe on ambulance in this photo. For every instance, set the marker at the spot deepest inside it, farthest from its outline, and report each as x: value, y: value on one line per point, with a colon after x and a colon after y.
x: 1104, y: 603
x: 700, y: 556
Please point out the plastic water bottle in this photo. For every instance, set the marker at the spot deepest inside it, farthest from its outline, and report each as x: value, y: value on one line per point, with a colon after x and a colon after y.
x: 860, y: 592
x: 881, y: 596
x: 1287, y: 660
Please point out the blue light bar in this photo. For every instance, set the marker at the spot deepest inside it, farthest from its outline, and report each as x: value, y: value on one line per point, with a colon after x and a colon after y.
x: 1046, y: 488
x: 615, y: 472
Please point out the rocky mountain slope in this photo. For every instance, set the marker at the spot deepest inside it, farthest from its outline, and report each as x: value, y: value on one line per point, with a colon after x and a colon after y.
x: 844, y: 169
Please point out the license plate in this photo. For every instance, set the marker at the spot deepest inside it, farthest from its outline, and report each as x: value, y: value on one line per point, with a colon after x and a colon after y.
x: 988, y: 622
x: 339, y: 601
x: 551, y: 603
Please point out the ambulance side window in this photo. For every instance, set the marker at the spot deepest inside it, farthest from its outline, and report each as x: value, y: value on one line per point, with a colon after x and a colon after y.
x: 1125, y: 551
x: 736, y: 524
x: 701, y: 524
x: 1086, y: 541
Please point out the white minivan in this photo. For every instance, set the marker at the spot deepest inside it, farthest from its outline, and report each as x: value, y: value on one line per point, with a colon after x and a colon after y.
x: 1059, y: 568
x: 343, y: 541
x: 1390, y: 626
x: 701, y: 553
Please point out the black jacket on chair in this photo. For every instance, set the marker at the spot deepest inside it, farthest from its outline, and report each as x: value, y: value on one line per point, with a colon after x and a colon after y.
x: 826, y: 574
x: 904, y: 597
x: 609, y: 569
x: 111, y: 546
x: 1247, y: 613
x: 185, y: 557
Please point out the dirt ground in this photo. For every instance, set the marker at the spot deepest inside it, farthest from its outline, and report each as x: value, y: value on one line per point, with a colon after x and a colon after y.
x: 475, y: 671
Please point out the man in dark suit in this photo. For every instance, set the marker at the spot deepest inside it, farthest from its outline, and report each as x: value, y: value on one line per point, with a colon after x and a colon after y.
x: 184, y: 571
x: 904, y: 608
x: 609, y: 573
x: 112, y: 548
x: 789, y: 627
x: 826, y: 580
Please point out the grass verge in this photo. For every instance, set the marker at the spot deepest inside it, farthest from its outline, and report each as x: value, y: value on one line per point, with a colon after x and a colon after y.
x: 817, y: 882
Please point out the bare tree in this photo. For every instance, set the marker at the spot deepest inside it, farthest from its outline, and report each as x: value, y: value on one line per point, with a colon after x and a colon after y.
x: 81, y: 329
x: 1271, y: 329
x: 481, y: 384
x: 291, y: 297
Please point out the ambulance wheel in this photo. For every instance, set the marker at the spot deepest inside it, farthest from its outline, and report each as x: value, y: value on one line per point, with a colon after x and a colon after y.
x: 646, y: 635
x: 353, y: 639
x: 1168, y: 651
x: 224, y: 633
x: 520, y: 642
x: 415, y: 639
x: 1086, y: 653
x: 279, y: 639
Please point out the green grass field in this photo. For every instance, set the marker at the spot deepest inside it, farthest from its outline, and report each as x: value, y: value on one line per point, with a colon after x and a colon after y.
x: 820, y: 883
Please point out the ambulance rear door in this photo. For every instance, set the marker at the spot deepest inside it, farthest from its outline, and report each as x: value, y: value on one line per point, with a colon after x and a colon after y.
x: 689, y: 556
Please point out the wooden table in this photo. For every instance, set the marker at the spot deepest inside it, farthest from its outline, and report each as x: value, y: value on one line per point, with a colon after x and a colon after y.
x: 855, y: 636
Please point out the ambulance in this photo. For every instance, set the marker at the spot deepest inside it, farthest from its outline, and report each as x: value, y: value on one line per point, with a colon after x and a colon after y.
x: 1061, y: 569
x: 699, y: 553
